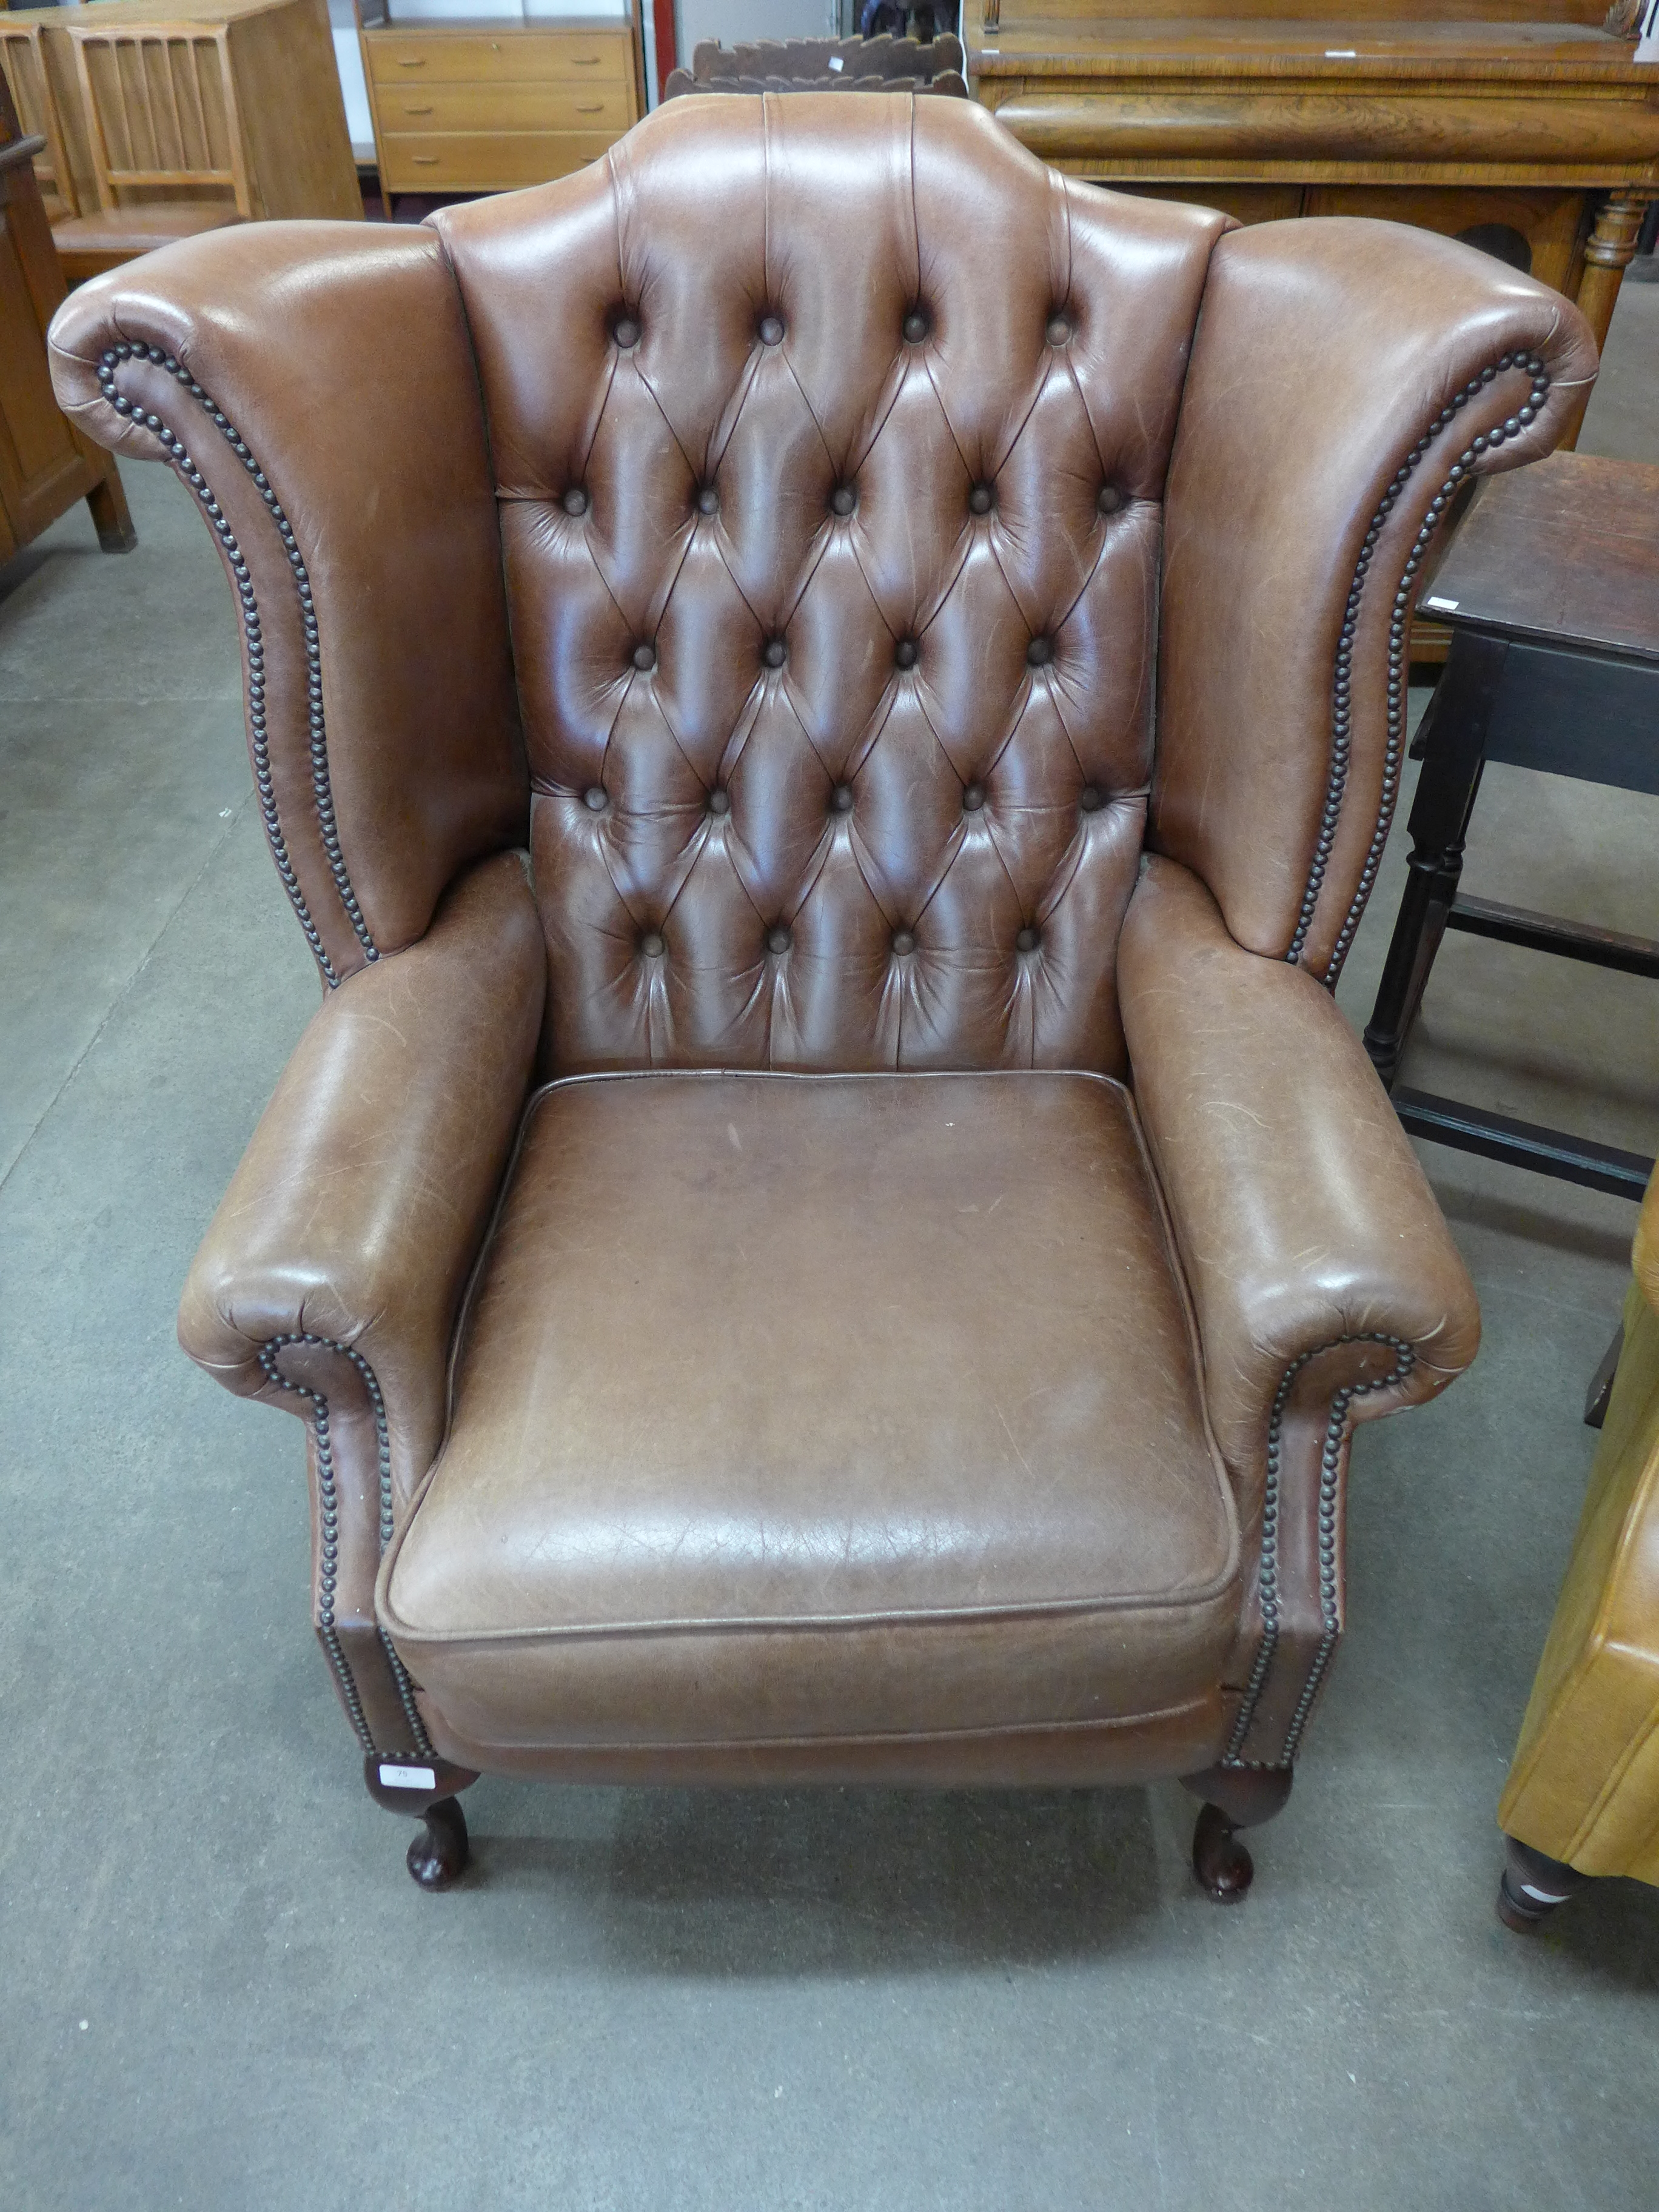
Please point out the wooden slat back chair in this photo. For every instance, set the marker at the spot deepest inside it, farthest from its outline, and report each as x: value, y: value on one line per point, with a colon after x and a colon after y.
x: 162, y: 109
x: 168, y: 154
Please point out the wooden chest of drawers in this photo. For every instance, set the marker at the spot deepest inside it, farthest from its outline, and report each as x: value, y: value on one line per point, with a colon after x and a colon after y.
x: 478, y: 106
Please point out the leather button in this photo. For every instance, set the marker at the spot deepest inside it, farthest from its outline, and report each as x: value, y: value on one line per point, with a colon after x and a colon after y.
x: 1091, y: 798
x: 775, y: 652
x: 1060, y: 330
x: 904, y: 940
x: 626, y: 331
x: 973, y: 798
x: 596, y: 798
x: 720, y: 802
x: 979, y: 500
x: 771, y: 330
x: 645, y: 658
x: 915, y: 326
x: 709, y: 500
x: 1039, y: 652
x: 651, y: 944
x: 840, y: 799
x: 904, y: 652
x: 778, y: 939
x: 842, y: 500
x: 574, y: 500
x: 1029, y: 939
x: 1108, y: 499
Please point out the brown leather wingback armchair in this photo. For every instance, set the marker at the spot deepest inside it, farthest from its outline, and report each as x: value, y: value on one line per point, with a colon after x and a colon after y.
x: 859, y: 1257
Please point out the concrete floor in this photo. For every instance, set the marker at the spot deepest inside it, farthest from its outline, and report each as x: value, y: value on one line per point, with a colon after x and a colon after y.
x: 220, y: 1989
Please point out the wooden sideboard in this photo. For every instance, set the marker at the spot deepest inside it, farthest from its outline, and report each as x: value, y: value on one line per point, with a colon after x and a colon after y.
x: 1536, y: 139
x: 46, y: 463
x: 479, y: 106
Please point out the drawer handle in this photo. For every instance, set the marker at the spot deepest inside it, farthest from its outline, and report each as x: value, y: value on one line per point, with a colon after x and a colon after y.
x: 419, y: 62
x: 424, y: 160
x: 427, y: 110
x: 590, y: 107
x: 585, y: 61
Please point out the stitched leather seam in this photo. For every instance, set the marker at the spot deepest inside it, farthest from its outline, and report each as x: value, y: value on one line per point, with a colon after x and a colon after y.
x: 329, y: 1493
x: 1342, y: 728
x: 108, y: 361
x: 1330, y: 1475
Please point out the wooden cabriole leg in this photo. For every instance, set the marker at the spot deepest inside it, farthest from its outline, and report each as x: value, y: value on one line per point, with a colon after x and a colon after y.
x: 1234, y: 1797
x: 1531, y: 1886
x: 426, y: 1789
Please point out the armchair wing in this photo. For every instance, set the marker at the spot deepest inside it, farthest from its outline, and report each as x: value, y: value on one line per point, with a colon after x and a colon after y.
x: 313, y: 386
x: 1349, y: 380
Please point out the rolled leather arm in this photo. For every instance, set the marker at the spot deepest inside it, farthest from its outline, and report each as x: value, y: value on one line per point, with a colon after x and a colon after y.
x: 330, y: 1279
x: 349, y: 1227
x: 1326, y: 1286
x: 1303, y: 1218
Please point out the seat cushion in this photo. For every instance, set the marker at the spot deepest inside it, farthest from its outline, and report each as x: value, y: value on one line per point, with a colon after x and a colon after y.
x: 796, y: 1406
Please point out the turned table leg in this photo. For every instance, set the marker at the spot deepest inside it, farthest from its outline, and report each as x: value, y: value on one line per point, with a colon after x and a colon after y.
x: 1453, y: 754
x: 1608, y: 253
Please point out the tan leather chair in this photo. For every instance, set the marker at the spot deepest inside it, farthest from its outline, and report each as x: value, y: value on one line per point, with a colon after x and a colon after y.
x: 859, y: 1258
x: 1583, y: 1794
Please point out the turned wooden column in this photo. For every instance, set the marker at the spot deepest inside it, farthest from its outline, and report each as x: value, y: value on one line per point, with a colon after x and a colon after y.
x: 1610, y: 250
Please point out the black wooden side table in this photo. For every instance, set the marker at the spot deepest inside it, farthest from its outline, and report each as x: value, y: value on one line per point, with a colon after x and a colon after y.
x: 1551, y: 591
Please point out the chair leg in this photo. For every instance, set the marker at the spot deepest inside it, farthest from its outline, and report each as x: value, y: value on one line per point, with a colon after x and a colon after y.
x: 427, y: 1789
x: 438, y: 1854
x: 1531, y: 1886
x: 1234, y: 1797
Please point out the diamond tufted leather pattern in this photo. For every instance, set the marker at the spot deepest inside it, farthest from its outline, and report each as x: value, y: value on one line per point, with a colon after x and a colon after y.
x: 853, y: 527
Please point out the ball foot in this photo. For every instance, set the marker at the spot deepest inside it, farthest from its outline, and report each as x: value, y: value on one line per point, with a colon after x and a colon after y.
x: 438, y: 1854
x: 1224, y: 1866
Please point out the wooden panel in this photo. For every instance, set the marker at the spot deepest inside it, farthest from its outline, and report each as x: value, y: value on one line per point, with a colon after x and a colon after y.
x: 425, y: 108
x: 38, y: 444
x: 486, y: 162
x: 300, y: 160
x: 1028, y: 15
x: 45, y: 465
x: 1546, y: 223
x: 1244, y: 203
x: 397, y: 58
x: 1288, y: 123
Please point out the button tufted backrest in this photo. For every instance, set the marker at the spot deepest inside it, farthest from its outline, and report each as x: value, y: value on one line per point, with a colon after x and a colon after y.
x: 829, y: 437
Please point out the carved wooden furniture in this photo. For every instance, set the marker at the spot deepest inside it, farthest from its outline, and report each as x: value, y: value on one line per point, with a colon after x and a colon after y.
x: 1551, y: 588
x: 476, y: 107
x: 163, y: 121
x: 1536, y: 138
x: 823, y: 65
x: 45, y: 465
x: 932, y: 1232
x: 1582, y: 1798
